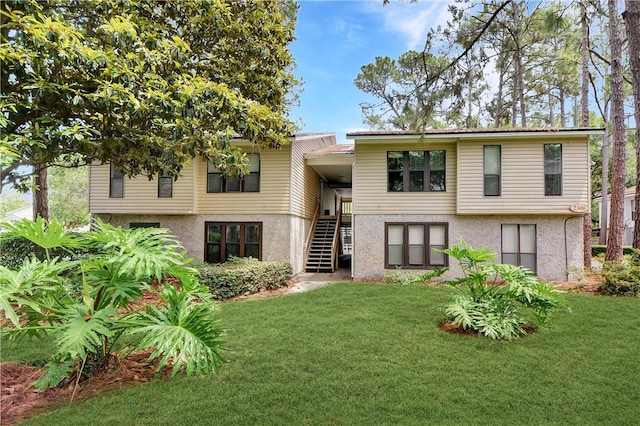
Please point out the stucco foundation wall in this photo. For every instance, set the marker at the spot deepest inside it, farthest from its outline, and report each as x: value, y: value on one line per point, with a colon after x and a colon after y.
x: 282, y: 235
x: 555, y: 261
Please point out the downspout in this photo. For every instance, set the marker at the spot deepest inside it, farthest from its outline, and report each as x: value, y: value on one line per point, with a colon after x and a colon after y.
x: 353, y: 217
x: 566, y: 249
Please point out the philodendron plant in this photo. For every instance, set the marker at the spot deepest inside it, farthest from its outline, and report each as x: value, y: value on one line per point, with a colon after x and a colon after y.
x: 90, y: 305
x: 492, y: 297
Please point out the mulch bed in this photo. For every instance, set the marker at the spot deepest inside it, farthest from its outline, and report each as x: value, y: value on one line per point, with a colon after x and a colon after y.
x: 19, y: 399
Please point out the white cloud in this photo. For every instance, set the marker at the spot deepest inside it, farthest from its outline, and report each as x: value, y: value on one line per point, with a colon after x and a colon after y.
x: 412, y: 21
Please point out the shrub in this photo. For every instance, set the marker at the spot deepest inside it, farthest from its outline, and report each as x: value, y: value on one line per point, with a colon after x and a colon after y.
x: 399, y: 276
x: 14, y: 249
x: 597, y: 250
x: 622, y: 277
x: 492, y: 296
x: 241, y: 276
x: 89, y: 303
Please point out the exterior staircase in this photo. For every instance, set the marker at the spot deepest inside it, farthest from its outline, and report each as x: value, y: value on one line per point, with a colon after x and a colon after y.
x: 319, y: 258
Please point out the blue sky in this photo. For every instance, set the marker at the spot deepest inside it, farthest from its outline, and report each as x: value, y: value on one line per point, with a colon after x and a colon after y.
x: 336, y: 38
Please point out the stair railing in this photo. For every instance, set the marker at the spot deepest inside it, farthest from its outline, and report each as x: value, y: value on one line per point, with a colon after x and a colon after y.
x: 312, y: 231
x: 336, y: 239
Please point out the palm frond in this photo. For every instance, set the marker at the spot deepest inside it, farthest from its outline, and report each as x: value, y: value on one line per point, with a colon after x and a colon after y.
x: 83, y: 330
x: 35, y: 277
x: 45, y: 234
x: 181, y: 332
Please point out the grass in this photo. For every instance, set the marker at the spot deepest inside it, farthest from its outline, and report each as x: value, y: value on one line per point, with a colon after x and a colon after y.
x: 372, y: 354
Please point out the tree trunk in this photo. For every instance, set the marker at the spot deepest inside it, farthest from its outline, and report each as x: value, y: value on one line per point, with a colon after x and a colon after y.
x: 616, y: 221
x: 41, y: 194
x: 563, y: 114
x: 498, y: 111
x: 584, y: 53
x: 584, y: 121
x: 631, y: 17
x: 604, y: 211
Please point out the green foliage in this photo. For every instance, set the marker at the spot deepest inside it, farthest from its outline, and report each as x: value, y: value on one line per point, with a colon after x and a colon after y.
x: 492, y: 296
x: 147, y: 86
x: 622, y: 277
x: 240, y: 276
x: 598, y: 250
x: 69, y: 195
x: 14, y: 249
x: 88, y: 303
x: 406, y: 278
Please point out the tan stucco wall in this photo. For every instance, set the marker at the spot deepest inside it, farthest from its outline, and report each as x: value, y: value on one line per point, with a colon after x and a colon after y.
x: 283, y: 236
x: 482, y: 231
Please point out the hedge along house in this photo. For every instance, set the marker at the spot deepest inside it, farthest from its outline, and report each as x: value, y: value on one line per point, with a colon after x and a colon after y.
x: 390, y: 200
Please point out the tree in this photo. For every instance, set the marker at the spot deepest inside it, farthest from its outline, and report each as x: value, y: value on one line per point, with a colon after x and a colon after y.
x: 406, y: 103
x: 69, y: 195
x: 616, y: 223
x: 631, y: 17
x: 146, y: 86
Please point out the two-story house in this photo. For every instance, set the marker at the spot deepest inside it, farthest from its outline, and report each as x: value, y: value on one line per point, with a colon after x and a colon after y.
x: 391, y: 200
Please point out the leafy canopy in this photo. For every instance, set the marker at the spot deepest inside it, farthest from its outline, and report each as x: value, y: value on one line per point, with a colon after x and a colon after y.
x: 145, y: 85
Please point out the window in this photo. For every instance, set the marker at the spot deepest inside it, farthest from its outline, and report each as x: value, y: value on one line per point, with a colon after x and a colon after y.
x: 165, y: 187
x: 552, y: 169
x: 519, y: 245
x: 416, y: 171
x: 224, y: 240
x: 415, y: 245
x: 134, y: 225
x: 492, y: 169
x: 217, y: 182
x: 116, y: 183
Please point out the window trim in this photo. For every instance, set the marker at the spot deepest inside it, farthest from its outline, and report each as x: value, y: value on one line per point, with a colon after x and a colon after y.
x: 485, y: 174
x: 160, y: 180
x: 224, y: 180
x: 405, y: 245
x: 112, y: 177
x: 224, y: 237
x: 544, y: 155
x: 519, y: 253
x: 426, y: 172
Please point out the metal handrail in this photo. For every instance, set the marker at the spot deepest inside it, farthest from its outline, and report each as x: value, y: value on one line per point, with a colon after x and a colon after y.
x: 312, y: 231
x: 334, y: 244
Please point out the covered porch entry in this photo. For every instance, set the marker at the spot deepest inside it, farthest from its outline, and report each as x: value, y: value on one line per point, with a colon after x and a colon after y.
x: 329, y: 244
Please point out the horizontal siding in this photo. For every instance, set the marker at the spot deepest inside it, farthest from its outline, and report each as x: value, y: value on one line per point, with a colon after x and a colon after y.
x: 522, y: 178
x: 274, y: 194
x: 370, y: 183
x: 140, y: 194
x: 305, y: 182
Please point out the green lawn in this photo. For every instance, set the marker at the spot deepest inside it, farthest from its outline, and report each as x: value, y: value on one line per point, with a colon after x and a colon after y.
x: 372, y: 354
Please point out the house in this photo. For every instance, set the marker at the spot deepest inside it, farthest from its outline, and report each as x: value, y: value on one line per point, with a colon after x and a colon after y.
x: 24, y: 212
x: 630, y: 215
x: 391, y: 200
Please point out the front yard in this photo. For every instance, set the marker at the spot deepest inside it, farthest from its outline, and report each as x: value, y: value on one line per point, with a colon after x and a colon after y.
x: 372, y: 354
